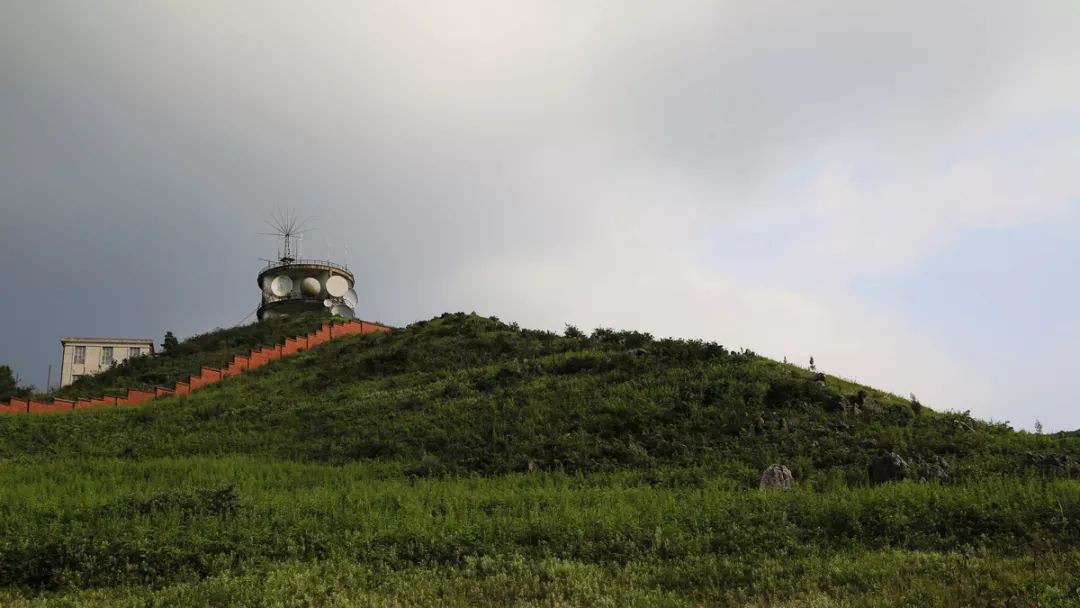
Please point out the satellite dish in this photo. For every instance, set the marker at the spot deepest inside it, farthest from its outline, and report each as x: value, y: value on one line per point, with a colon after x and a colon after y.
x: 281, y: 286
x: 311, y: 287
x: 350, y: 298
x: 336, y: 286
x: 341, y: 310
x: 328, y: 303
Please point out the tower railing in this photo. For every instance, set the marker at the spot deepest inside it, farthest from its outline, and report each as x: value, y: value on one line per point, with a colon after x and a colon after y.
x: 309, y: 262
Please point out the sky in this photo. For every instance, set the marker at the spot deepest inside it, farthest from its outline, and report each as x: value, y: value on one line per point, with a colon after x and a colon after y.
x: 887, y: 187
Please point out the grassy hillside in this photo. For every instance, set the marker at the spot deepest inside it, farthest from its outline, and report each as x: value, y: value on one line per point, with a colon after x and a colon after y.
x: 464, y: 461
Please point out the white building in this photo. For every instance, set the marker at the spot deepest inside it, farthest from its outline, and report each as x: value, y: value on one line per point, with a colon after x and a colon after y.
x: 86, y: 356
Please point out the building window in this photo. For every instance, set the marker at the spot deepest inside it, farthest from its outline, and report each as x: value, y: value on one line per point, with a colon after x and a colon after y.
x: 75, y: 377
x: 134, y: 351
x: 106, y: 356
x: 80, y: 355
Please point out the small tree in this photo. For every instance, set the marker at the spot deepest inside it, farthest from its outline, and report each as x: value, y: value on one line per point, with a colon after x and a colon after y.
x: 812, y: 368
x: 573, y: 332
x: 9, y: 385
x: 1038, y: 427
x: 169, y: 343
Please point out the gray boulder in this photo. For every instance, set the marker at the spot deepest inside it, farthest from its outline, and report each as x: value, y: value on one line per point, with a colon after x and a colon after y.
x: 887, y: 466
x: 777, y: 477
x: 759, y: 426
x: 1055, y: 464
x: 934, y: 468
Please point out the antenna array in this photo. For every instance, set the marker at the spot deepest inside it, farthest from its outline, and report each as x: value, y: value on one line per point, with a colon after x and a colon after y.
x: 290, y: 229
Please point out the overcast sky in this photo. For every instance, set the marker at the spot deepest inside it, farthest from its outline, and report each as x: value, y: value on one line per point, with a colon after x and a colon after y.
x: 890, y: 187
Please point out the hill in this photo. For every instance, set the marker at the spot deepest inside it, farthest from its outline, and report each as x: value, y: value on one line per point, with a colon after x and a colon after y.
x: 466, y: 461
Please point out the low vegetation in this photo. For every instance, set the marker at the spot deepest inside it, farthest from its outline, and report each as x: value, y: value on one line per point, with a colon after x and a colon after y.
x: 463, y: 461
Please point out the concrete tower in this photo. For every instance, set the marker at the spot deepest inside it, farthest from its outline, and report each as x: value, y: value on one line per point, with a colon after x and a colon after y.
x: 293, y: 286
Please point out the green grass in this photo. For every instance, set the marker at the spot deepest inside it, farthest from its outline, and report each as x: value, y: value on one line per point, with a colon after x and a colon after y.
x: 214, y: 527
x: 463, y: 394
x: 464, y: 462
x: 870, y: 579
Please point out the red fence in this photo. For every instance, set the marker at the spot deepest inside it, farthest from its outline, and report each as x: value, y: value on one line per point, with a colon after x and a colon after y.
x: 240, y: 364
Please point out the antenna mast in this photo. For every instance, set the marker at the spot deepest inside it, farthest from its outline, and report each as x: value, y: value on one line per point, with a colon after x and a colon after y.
x: 287, y: 227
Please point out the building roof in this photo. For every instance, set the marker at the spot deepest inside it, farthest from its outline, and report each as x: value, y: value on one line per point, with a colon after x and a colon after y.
x: 109, y: 340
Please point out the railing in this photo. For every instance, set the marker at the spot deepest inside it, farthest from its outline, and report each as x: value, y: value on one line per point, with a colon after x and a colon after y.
x: 270, y: 298
x: 335, y: 265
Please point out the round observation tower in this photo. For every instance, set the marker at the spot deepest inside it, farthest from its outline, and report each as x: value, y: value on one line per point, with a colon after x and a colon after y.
x: 294, y: 286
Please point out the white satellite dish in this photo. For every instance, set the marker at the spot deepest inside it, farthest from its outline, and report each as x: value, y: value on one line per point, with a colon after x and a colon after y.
x: 341, y: 310
x: 281, y: 286
x: 311, y: 287
x: 336, y: 286
x: 328, y: 303
x: 350, y: 298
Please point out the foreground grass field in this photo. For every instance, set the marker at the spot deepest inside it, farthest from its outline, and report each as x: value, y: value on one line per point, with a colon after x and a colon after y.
x: 464, y: 461
x: 236, y: 530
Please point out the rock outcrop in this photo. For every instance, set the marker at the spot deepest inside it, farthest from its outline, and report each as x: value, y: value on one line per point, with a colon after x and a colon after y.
x: 1054, y: 464
x: 887, y: 466
x: 935, y: 468
x: 777, y: 477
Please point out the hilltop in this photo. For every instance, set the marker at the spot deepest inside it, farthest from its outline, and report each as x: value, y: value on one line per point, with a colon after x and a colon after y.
x: 464, y: 461
x: 464, y: 393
